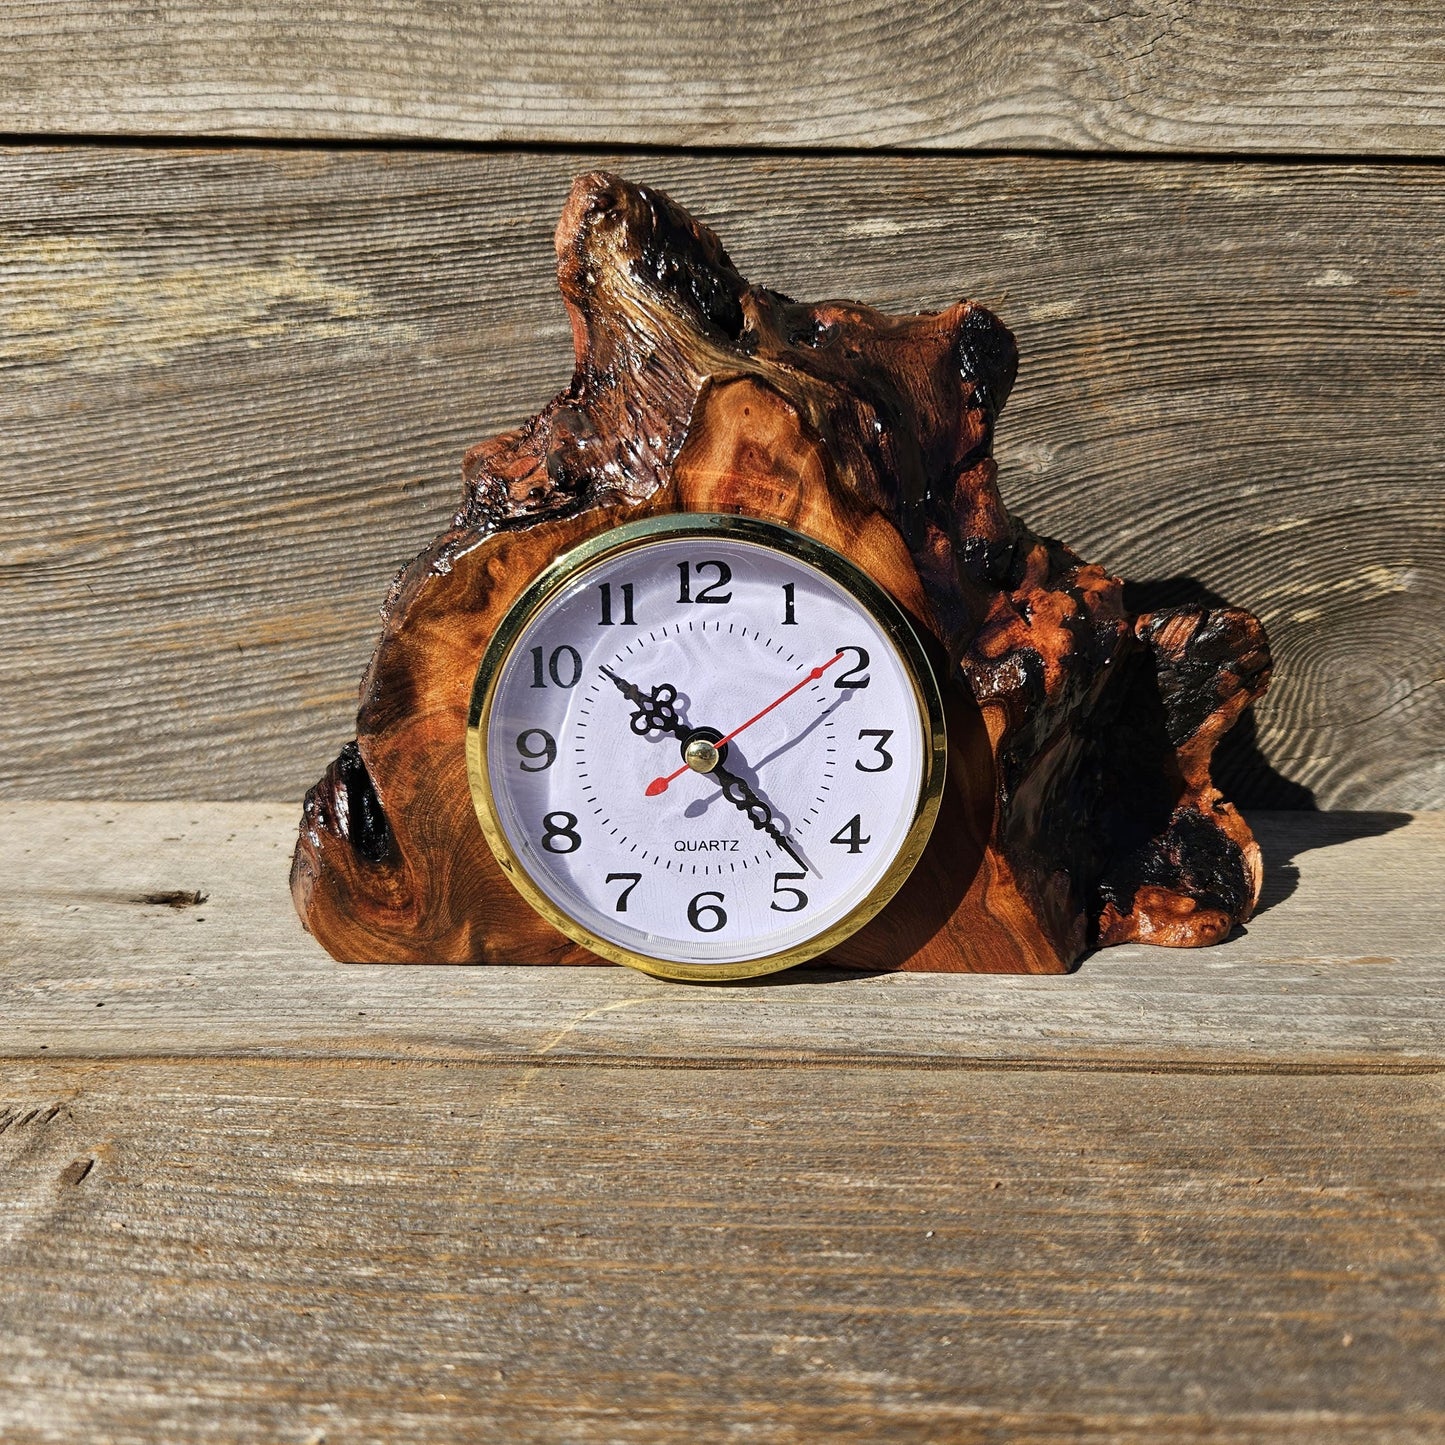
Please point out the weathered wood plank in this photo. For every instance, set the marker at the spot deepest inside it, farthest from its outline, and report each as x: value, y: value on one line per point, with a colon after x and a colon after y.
x: 230, y: 374
x: 1212, y: 75
x: 269, y: 1251
x: 1343, y: 970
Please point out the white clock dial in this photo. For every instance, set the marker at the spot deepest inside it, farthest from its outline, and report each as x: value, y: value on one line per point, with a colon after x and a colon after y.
x: 706, y: 746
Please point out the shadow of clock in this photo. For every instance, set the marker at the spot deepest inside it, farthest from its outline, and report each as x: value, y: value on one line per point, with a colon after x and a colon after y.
x: 812, y: 974
x: 1248, y: 776
x: 922, y: 913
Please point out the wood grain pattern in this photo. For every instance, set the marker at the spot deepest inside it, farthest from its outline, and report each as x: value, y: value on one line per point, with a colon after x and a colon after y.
x: 1211, y: 75
x: 1318, y: 981
x: 230, y: 374
x: 695, y: 392
x: 1143, y: 1202
x: 307, y: 1251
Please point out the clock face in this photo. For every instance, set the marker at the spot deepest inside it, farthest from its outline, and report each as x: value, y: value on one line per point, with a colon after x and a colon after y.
x: 706, y: 746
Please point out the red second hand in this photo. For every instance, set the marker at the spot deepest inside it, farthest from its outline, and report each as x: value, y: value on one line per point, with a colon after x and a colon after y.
x: 659, y: 785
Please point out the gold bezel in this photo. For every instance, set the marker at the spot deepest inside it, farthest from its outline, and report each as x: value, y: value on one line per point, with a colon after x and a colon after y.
x: 885, y: 612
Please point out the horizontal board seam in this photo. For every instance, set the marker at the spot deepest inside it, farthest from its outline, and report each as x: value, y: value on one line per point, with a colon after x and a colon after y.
x: 443, y: 146
x: 742, y: 1063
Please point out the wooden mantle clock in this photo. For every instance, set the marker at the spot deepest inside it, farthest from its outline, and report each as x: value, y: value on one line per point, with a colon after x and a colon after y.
x: 733, y: 657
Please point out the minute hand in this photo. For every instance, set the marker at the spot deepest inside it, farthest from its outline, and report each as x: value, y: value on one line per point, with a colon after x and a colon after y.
x: 659, y: 785
x: 740, y: 793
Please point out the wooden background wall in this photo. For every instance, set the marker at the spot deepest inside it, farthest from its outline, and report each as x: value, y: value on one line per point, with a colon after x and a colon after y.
x: 266, y: 271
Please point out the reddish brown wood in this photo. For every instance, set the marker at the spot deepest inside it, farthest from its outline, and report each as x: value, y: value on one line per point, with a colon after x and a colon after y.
x: 1079, y: 808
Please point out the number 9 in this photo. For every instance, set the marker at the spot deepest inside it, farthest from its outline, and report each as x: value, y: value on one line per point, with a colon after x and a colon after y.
x: 547, y: 750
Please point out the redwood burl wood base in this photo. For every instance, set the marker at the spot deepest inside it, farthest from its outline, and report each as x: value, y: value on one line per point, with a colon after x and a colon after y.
x: 1079, y: 808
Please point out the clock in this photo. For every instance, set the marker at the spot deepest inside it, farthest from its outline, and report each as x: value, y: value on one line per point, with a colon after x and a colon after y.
x: 706, y: 746
x: 644, y: 653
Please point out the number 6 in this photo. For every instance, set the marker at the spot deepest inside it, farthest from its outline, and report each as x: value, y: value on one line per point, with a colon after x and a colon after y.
x: 697, y: 908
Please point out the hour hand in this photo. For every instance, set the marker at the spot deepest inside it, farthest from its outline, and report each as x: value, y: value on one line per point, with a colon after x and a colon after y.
x: 739, y: 792
x: 654, y: 711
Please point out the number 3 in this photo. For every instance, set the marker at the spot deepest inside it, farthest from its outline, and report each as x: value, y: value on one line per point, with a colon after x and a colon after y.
x: 880, y: 736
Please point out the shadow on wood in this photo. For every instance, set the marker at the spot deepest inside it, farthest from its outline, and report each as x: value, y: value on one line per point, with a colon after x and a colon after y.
x: 1239, y: 766
x: 1284, y: 841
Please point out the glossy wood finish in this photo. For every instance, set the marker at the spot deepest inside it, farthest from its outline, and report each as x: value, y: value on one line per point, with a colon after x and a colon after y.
x: 1171, y: 1196
x: 1080, y: 805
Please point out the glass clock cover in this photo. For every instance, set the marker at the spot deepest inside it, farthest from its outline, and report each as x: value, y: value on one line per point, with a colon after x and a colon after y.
x: 706, y: 746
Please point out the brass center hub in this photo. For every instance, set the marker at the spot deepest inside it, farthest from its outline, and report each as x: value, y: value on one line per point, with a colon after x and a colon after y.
x: 700, y: 755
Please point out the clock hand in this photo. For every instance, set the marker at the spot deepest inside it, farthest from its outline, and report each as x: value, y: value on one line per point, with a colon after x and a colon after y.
x: 655, y: 711
x: 813, y: 676
x: 659, y: 785
x: 739, y: 792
